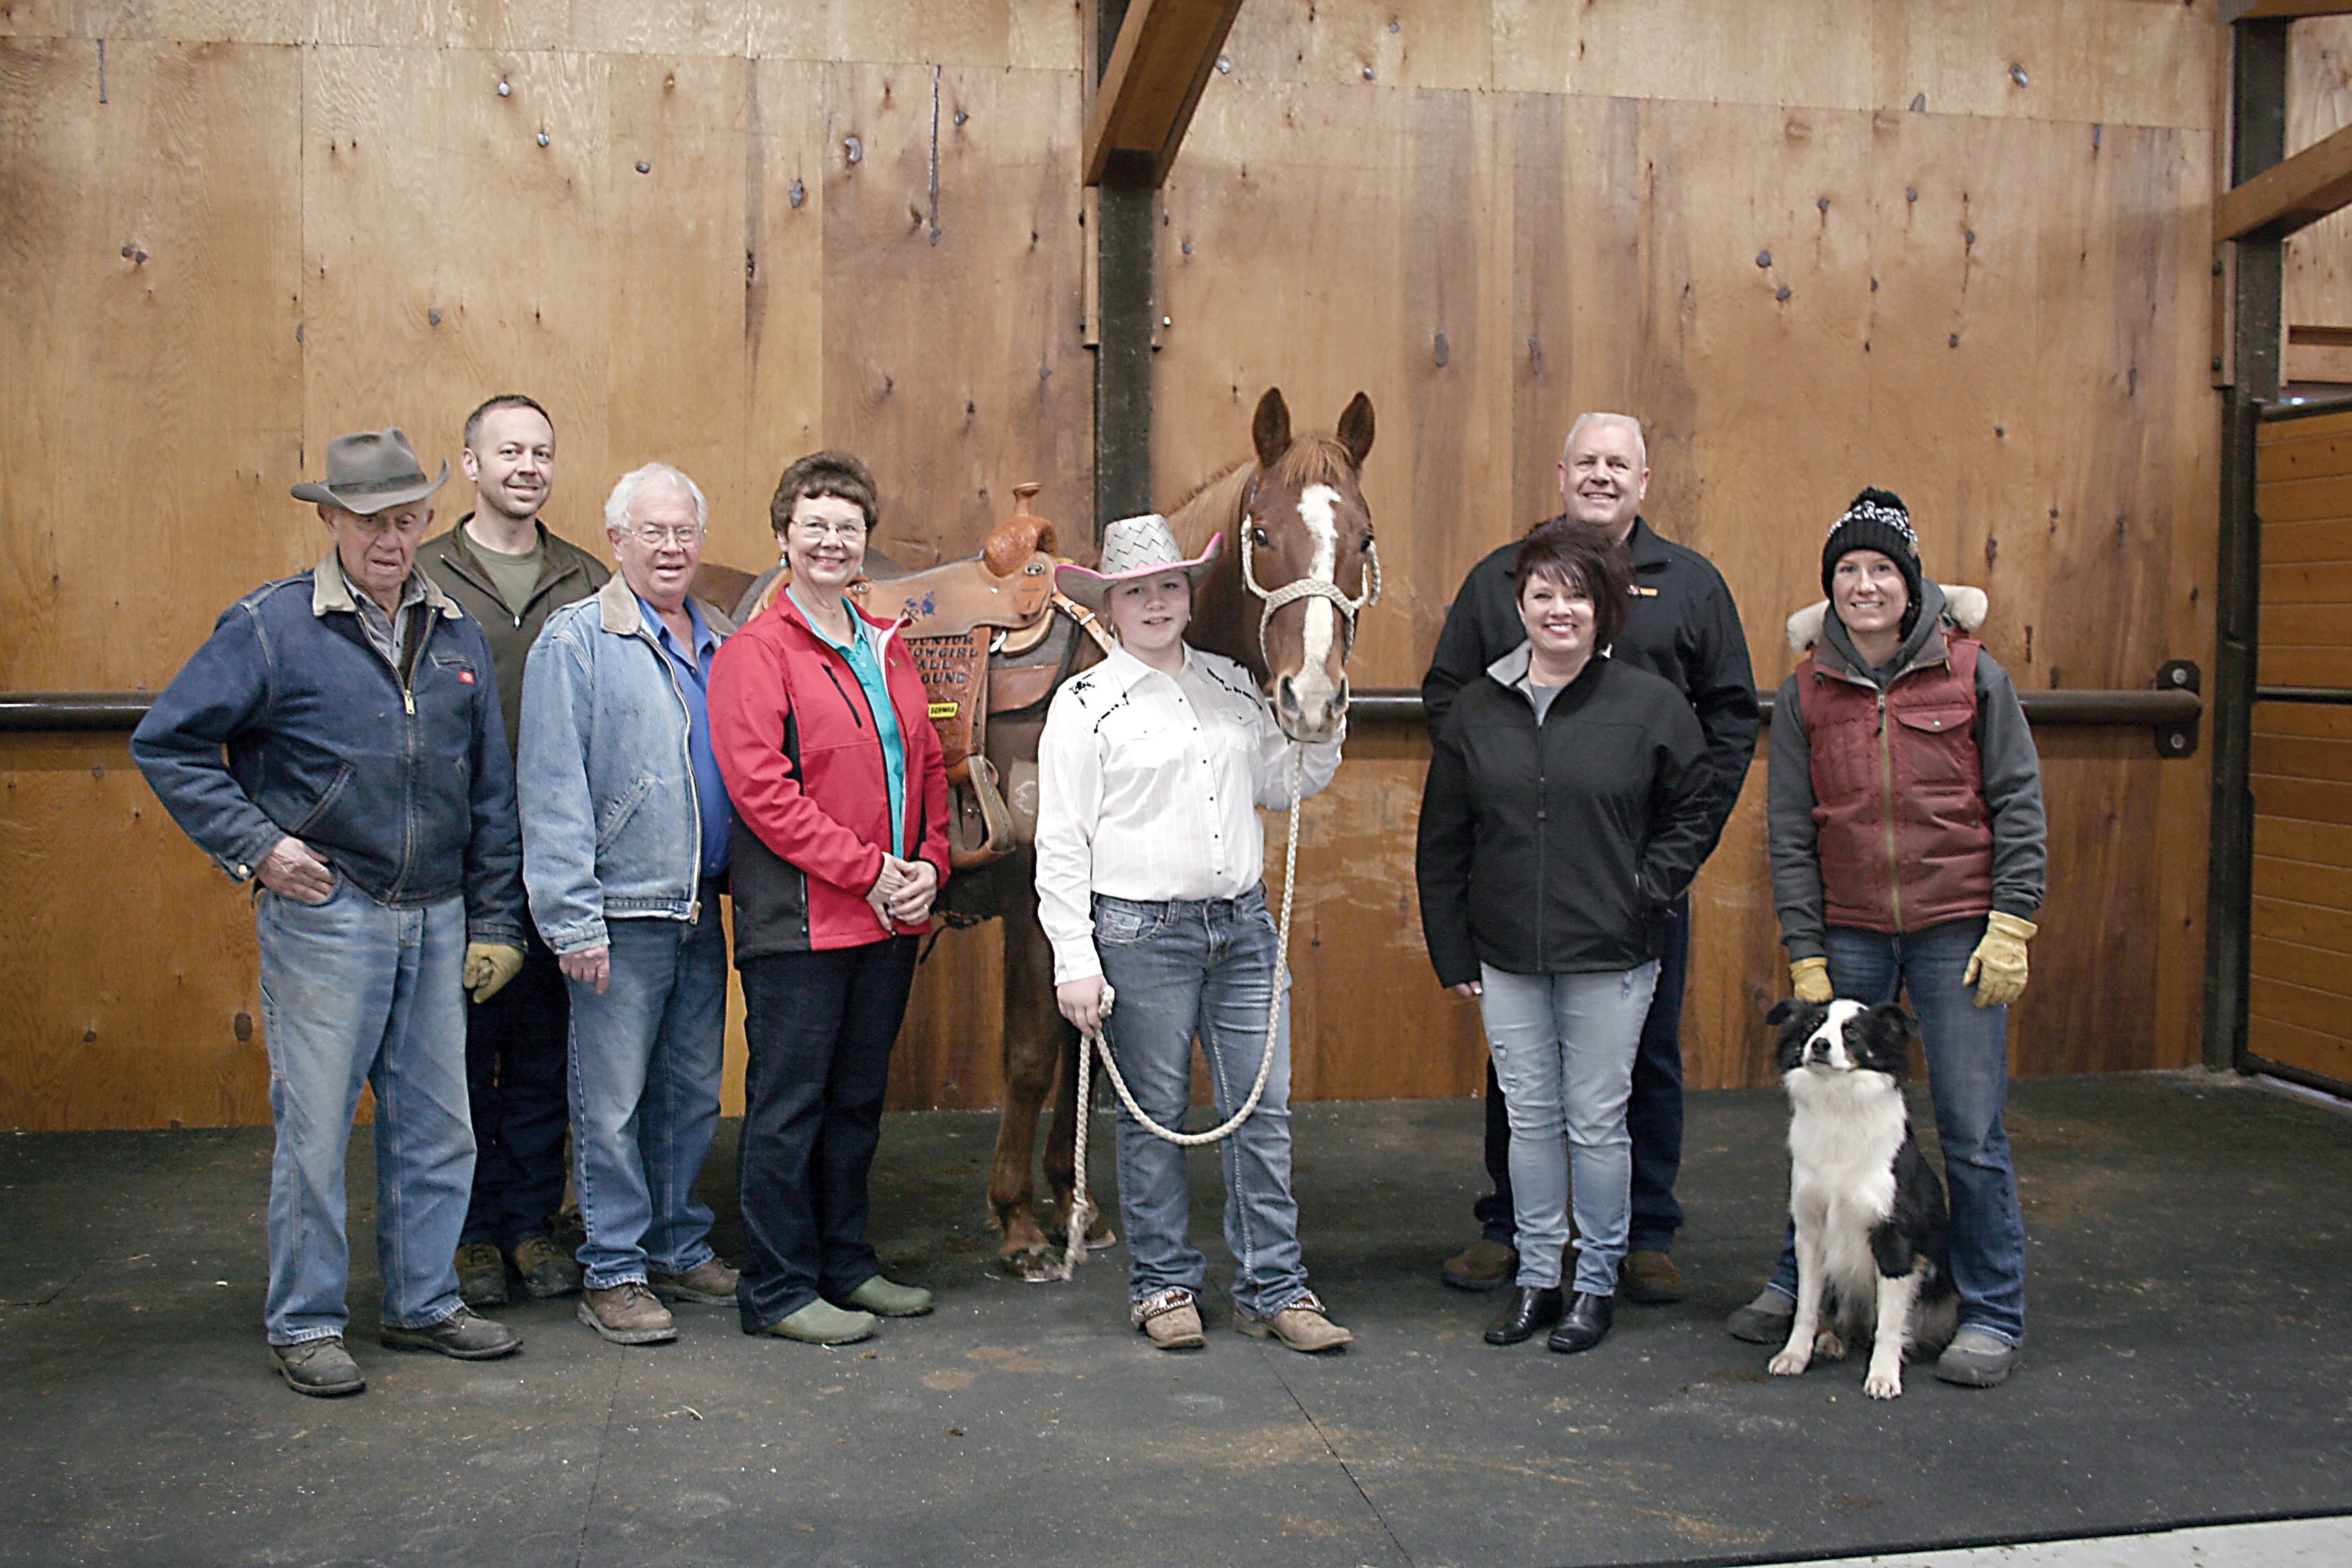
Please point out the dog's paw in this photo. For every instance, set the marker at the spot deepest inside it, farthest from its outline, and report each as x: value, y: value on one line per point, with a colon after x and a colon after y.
x: 1788, y: 1364
x: 1883, y: 1384
x: 1827, y: 1346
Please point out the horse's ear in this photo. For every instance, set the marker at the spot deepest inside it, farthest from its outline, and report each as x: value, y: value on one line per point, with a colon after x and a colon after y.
x: 1356, y: 428
x: 1270, y: 428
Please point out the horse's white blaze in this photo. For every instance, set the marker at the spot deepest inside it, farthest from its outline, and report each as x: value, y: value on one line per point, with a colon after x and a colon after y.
x: 1316, y: 692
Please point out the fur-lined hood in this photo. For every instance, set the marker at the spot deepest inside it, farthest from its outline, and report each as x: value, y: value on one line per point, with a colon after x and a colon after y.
x: 1964, y: 610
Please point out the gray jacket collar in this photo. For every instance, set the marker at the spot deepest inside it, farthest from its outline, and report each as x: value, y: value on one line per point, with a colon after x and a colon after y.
x: 1510, y: 671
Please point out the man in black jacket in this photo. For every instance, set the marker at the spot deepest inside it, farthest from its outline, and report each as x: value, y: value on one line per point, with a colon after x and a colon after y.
x: 510, y: 573
x: 1682, y: 624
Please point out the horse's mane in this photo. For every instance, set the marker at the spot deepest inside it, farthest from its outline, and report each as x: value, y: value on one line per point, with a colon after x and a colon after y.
x: 1210, y: 506
x: 1214, y: 505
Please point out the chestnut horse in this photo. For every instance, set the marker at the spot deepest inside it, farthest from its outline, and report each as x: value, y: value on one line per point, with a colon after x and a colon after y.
x: 1297, y: 561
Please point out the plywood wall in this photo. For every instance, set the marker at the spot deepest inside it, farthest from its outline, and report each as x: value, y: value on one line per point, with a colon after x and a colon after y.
x: 1852, y: 246
x: 2316, y: 291
x: 1829, y: 253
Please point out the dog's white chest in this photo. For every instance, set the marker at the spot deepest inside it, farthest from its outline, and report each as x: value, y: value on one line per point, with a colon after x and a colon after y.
x: 1845, y: 1130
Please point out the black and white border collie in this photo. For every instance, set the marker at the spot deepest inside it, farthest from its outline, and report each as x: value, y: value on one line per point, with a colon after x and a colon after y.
x: 1872, y: 1239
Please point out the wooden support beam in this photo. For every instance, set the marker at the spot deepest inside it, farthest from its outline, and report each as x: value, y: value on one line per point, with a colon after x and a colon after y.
x: 2257, y: 144
x: 1165, y: 51
x: 2289, y: 195
x: 2281, y: 10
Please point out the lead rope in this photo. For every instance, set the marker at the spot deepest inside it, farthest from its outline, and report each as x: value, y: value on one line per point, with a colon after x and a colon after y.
x: 1082, y: 1206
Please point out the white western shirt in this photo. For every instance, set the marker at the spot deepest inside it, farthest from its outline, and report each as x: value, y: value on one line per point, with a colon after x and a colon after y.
x: 1147, y: 785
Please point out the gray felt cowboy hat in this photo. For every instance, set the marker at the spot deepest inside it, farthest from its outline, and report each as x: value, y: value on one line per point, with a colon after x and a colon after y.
x: 370, y: 472
x: 1134, y: 547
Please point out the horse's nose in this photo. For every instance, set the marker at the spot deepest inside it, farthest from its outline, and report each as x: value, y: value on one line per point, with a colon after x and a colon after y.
x: 1286, y: 695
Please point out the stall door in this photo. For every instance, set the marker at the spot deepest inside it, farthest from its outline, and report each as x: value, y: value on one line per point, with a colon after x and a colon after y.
x: 2300, y: 989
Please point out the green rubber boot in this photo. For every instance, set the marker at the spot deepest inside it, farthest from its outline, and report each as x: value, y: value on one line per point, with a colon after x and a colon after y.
x: 822, y: 1323
x: 879, y: 1295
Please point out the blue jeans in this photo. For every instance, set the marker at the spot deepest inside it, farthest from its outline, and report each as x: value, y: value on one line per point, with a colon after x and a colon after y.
x: 1183, y: 969
x: 354, y: 992
x: 1967, y: 1076
x: 1653, y: 1116
x: 1563, y: 1049
x: 645, y: 1096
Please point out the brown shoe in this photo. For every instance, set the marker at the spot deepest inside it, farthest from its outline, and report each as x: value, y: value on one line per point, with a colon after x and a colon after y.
x: 1650, y: 1279
x: 1481, y: 1266
x: 546, y: 1268
x: 628, y: 1314
x: 709, y: 1283
x: 1301, y: 1326
x: 481, y: 1275
x: 1169, y: 1319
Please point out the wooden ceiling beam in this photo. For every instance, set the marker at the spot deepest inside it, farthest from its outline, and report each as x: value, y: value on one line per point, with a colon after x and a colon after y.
x: 1165, y: 51
x: 2286, y: 196
x: 2275, y: 10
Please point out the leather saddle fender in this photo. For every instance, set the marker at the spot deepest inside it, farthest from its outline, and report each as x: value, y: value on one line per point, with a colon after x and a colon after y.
x: 955, y: 618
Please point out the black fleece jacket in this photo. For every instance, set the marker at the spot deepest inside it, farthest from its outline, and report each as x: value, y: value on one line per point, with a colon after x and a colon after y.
x: 1682, y: 624
x: 1558, y: 848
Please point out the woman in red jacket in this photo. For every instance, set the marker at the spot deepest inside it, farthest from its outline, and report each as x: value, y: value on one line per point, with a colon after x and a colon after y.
x: 822, y: 730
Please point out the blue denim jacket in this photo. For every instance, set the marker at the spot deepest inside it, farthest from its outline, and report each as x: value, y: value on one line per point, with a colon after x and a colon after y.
x: 288, y: 721
x: 612, y: 825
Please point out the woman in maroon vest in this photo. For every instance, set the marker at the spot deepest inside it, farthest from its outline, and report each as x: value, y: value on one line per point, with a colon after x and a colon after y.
x: 1907, y: 854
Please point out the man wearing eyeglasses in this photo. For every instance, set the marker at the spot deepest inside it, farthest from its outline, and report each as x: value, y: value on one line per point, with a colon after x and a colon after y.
x: 511, y: 573
x: 625, y: 838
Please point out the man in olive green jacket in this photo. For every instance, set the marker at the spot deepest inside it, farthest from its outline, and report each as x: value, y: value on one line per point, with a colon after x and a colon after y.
x: 511, y: 573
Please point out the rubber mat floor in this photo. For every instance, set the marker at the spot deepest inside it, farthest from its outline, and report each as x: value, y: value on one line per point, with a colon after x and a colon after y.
x: 2188, y: 1360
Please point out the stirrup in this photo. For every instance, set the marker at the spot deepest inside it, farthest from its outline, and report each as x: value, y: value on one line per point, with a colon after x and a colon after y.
x: 996, y: 831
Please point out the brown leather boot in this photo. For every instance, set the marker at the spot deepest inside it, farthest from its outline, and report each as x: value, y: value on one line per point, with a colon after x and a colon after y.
x: 1302, y: 1326
x: 1650, y: 1279
x: 1481, y: 1266
x: 709, y: 1283
x: 628, y: 1314
x: 1170, y: 1319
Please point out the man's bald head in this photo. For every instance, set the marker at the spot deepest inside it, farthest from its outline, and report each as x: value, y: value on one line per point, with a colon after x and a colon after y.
x: 1605, y: 471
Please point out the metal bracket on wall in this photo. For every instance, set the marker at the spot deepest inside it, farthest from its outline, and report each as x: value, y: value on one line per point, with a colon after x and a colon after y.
x: 2178, y: 739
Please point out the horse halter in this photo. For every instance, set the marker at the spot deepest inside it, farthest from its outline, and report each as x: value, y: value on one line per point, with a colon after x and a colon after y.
x: 1303, y: 587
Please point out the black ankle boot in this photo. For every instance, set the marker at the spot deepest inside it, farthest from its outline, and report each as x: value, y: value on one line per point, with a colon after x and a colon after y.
x: 1586, y: 1324
x: 1529, y: 1310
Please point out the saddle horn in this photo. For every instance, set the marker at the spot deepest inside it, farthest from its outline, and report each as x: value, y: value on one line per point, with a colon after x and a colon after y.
x: 1018, y: 537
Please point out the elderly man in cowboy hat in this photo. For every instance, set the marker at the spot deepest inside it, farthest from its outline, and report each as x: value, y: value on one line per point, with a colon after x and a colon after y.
x: 337, y: 741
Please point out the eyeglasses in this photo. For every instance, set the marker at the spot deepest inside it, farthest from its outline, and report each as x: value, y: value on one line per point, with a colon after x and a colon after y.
x: 652, y: 535
x: 812, y: 529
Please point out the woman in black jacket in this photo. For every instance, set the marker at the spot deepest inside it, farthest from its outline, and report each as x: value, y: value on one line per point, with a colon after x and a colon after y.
x: 1566, y: 811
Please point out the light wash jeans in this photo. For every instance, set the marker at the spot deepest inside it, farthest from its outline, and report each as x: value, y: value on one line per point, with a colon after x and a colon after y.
x: 1563, y: 1048
x: 354, y: 992
x: 645, y: 1096
x: 1967, y: 1078
x: 1183, y: 969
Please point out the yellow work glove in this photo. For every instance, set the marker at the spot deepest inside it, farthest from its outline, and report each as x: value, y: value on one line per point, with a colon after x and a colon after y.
x: 1810, y: 978
x: 1997, y: 968
x: 488, y: 966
